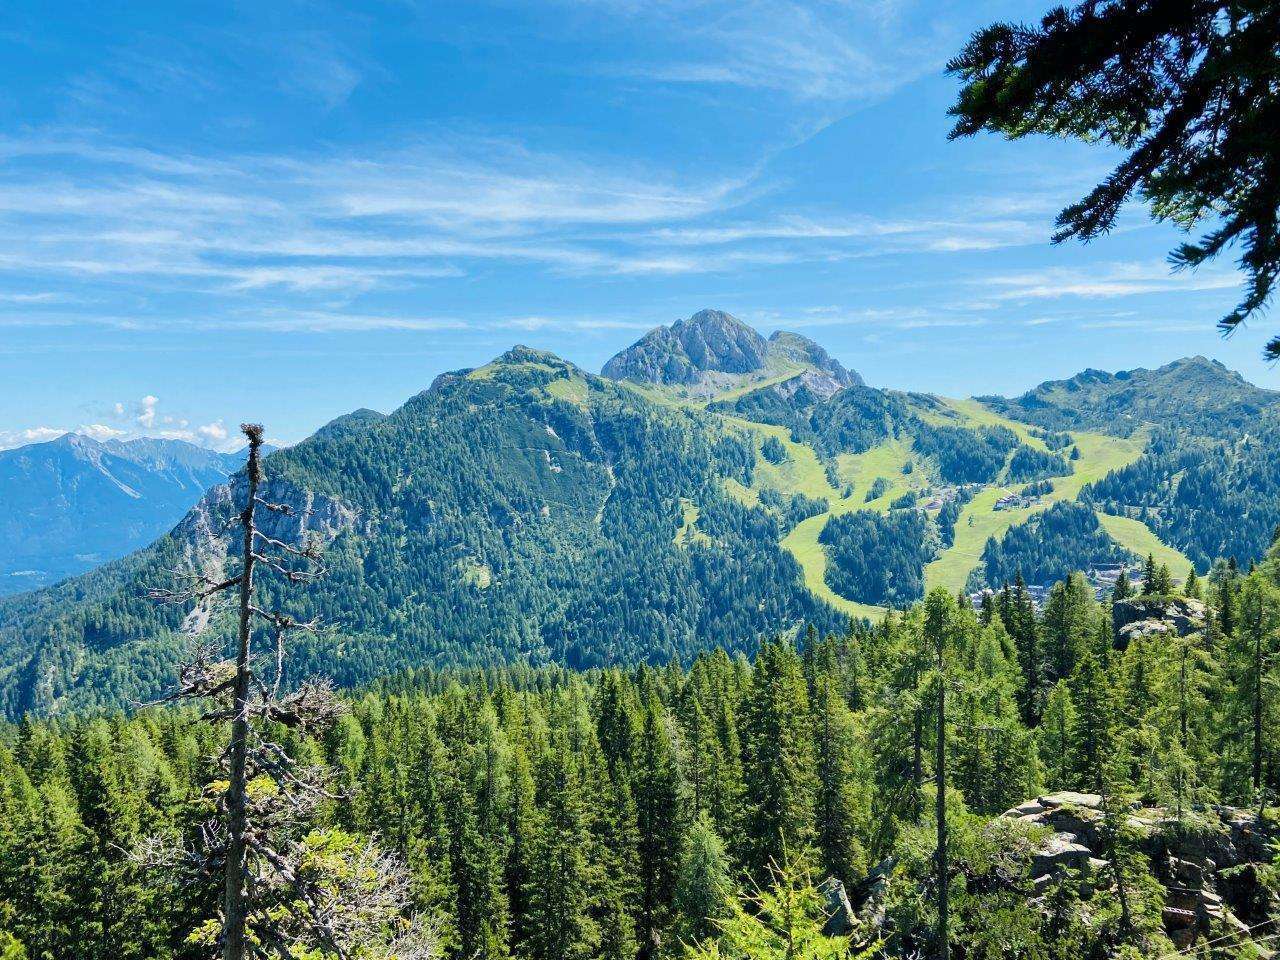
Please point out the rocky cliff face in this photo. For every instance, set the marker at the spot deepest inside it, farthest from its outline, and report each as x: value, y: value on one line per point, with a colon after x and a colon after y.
x: 709, y: 341
x: 1209, y: 868
x: 825, y: 369
x: 714, y: 350
x: 209, y: 539
x: 1211, y: 871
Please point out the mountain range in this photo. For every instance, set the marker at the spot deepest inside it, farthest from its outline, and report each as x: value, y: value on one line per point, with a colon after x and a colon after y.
x: 72, y: 503
x: 711, y: 488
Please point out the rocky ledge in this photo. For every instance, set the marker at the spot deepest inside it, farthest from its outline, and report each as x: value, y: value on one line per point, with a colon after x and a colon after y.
x: 1209, y: 863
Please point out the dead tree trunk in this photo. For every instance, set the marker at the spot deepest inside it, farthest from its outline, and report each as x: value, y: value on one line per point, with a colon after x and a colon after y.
x: 271, y: 906
x: 234, y: 911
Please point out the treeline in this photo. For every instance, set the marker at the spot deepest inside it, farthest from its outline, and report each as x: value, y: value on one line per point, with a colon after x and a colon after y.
x: 624, y: 813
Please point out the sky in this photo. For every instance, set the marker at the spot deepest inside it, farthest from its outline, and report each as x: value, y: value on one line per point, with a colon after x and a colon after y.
x: 284, y: 211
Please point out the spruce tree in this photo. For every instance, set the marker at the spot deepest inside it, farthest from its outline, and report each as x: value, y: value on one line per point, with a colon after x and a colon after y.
x: 660, y: 826
x: 779, y: 769
x: 1056, y: 735
x: 1122, y: 589
x: 559, y: 893
x: 840, y: 808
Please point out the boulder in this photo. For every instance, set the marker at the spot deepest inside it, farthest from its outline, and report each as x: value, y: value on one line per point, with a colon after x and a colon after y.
x: 1149, y: 616
x: 841, y: 920
x: 1070, y: 798
x: 1059, y: 852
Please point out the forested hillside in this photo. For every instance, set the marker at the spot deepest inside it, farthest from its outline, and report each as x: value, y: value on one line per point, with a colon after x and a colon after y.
x: 524, y: 510
x: 528, y: 511
x: 653, y: 813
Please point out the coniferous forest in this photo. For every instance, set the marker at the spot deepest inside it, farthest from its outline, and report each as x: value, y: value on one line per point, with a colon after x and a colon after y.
x: 703, y: 811
x: 721, y: 654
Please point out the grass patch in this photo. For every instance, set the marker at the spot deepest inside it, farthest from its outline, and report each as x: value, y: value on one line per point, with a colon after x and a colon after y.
x: 1137, y: 536
x: 689, y: 532
x: 571, y: 389
x: 802, y: 543
x: 476, y: 574
x: 1099, y: 455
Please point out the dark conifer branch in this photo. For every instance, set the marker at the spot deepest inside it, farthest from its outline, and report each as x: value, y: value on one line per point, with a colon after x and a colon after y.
x: 1188, y: 90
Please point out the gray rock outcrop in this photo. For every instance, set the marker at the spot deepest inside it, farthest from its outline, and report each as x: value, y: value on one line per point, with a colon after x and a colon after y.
x: 1154, y: 616
x: 713, y: 350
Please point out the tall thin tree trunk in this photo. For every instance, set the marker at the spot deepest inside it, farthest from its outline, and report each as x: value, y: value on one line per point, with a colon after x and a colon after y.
x: 1113, y: 854
x: 233, y: 905
x: 1257, y: 704
x: 1182, y: 726
x: 940, y: 773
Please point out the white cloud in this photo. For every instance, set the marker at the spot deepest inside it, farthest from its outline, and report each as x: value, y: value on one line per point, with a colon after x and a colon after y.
x: 187, y: 435
x: 213, y: 433
x: 818, y: 50
x: 316, y: 67
x: 29, y: 298
x: 100, y: 431
x: 1104, y: 281
x: 147, y: 413
x: 40, y: 434
x: 19, y: 438
x: 76, y: 209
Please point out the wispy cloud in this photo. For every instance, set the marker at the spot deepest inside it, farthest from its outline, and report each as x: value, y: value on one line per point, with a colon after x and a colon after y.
x: 75, y: 208
x: 1103, y: 281
x: 298, y: 237
x: 829, y: 50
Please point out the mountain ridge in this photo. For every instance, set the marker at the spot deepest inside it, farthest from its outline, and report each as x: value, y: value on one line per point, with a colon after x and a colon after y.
x: 527, y: 509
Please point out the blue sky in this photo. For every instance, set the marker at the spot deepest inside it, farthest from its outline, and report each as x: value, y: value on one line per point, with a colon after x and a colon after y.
x: 284, y: 211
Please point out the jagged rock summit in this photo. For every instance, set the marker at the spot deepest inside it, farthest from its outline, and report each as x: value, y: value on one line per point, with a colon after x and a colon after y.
x: 714, y: 351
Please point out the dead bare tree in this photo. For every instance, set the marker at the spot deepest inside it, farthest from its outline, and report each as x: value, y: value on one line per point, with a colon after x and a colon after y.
x: 277, y: 895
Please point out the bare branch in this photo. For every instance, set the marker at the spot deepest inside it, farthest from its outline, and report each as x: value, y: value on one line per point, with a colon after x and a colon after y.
x: 281, y: 508
x: 201, y: 588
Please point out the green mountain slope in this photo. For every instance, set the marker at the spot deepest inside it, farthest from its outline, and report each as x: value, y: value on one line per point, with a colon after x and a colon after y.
x: 1208, y: 482
x: 525, y: 510
x: 1196, y: 393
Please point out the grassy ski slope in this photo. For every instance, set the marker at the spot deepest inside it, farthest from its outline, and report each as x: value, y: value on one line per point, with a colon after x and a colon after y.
x: 802, y: 472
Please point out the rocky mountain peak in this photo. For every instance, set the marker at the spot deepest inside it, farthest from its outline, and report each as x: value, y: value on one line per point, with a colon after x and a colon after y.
x: 709, y: 341
x: 712, y: 350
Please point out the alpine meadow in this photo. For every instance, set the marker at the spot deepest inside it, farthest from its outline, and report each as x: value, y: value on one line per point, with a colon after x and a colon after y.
x: 926, y: 608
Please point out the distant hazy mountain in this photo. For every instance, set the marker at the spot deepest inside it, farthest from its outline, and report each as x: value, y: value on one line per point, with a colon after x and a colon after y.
x: 717, y: 487
x: 72, y: 503
x: 713, y: 351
